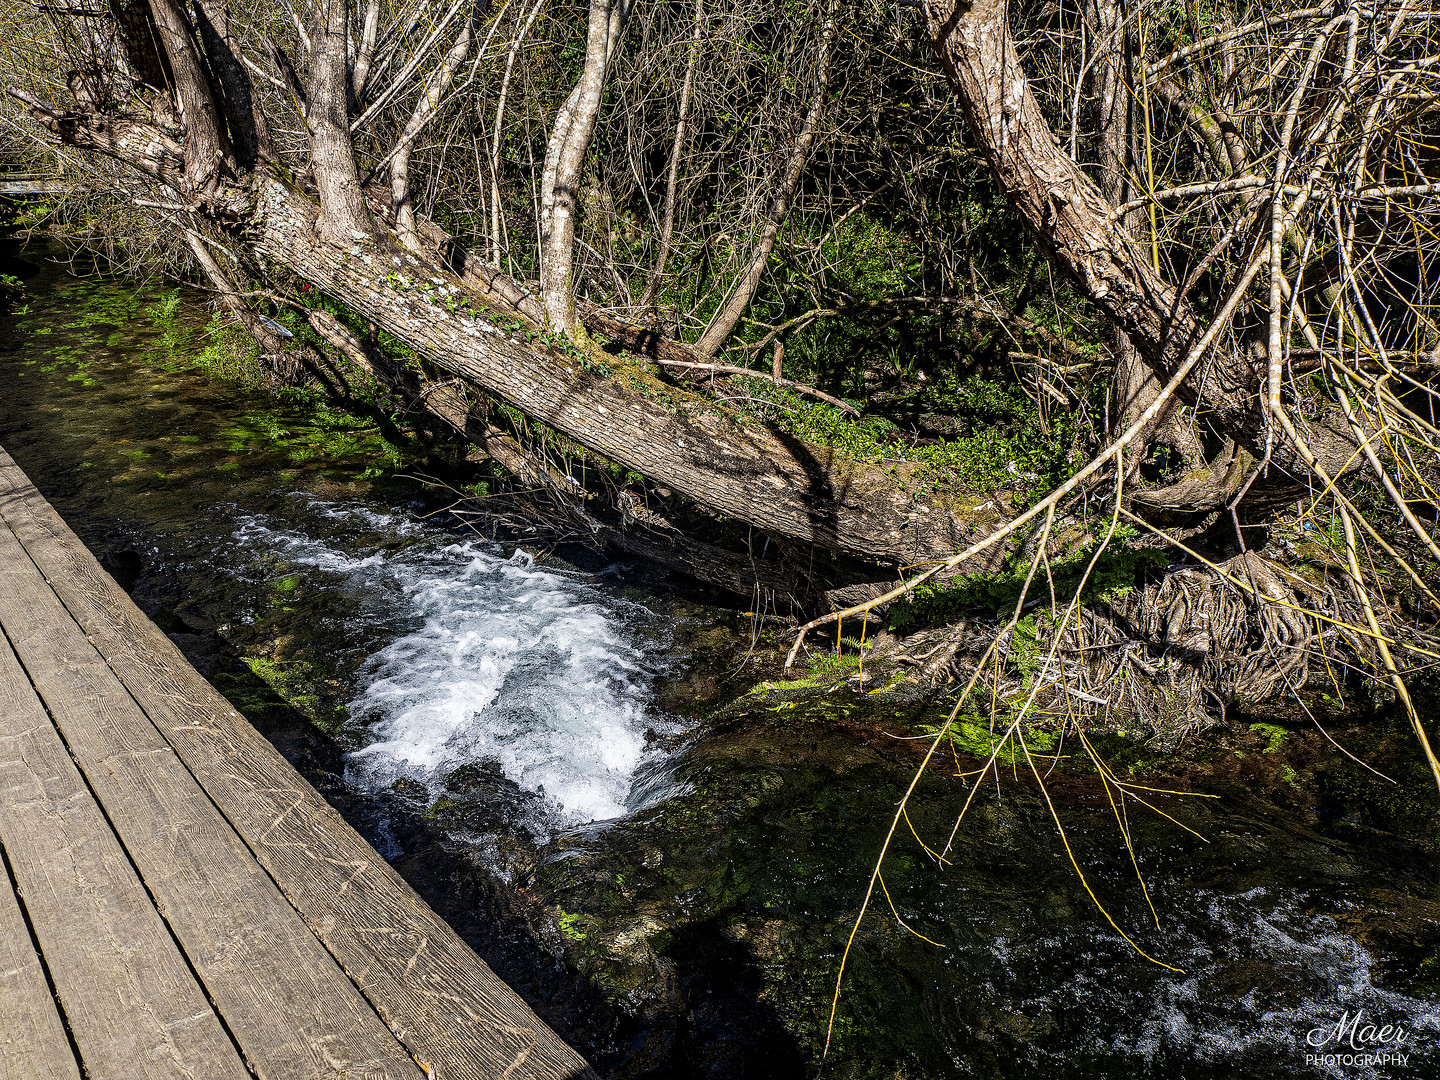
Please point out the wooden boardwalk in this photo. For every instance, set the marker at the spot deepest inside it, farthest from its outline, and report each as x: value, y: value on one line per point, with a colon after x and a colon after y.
x: 176, y: 901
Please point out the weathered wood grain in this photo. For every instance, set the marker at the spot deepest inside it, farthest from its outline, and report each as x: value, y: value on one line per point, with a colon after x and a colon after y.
x: 133, y: 1004
x: 293, y: 1012
x: 441, y: 1000
x: 32, y: 1035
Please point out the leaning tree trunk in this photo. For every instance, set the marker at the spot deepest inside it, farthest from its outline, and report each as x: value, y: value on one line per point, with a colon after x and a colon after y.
x: 1073, y: 220
x: 1080, y: 231
x: 448, y: 405
x: 779, y: 485
x: 731, y: 467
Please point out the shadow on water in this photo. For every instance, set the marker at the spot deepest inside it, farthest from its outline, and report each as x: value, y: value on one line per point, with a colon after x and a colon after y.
x: 698, y: 934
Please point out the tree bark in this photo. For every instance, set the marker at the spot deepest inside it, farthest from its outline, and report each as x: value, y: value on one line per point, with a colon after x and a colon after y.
x: 425, y: 109
x: 1069, y: 214
x: 207, y: 150
x: 776, y: 483
x: 1079, y: 229
x: 365, y: 52
x: 1134, y: 385
x: 344, y: 217
x: 249, y: 132
x: 140, y: 42
x: 452, y: 409
x: 496, y: 231
x: 565, y: 163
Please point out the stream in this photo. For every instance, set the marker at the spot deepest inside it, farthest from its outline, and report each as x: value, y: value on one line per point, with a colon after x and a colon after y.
x: 576, y: 764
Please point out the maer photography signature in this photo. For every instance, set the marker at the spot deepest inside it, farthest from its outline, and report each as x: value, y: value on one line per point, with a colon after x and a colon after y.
x: 1356, y: 1040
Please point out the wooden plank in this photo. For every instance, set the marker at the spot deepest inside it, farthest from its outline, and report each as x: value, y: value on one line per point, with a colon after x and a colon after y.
x: 290, y: 1008
x: 33, y: 1043
x: 442, y: 1000
x: 132, y: 1001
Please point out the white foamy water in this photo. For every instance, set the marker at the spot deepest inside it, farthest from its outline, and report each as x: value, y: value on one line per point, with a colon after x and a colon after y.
x: 489, y: 659
x: 1265, y: 982
x: 1337, y: 975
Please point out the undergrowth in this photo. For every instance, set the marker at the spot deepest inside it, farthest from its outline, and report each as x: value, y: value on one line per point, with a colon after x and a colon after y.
x: 938, y: 602
x: 1000, y: 441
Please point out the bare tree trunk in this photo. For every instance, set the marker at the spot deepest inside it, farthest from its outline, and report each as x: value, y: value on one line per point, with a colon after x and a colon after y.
x: 1114, y: 99
x: 365, y: 52
x: 1134, y: 385
x: 139, y: 41
x: 435, y: 88
x: 1079, y: 229
x: 723, y: 324
x: 344, y: 216
x: 1069, y: 214
x: 249, y: 132
x: 667, y: 226
x: 207, y: 150
x: 554, y: 147
x: 1113, y: 66
x: 565, y: 162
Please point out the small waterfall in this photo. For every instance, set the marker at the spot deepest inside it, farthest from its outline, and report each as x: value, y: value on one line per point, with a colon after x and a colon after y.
x: 489, y: 659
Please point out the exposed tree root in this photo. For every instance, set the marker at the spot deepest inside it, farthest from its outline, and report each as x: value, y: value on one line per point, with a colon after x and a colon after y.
x: 1170, y: 657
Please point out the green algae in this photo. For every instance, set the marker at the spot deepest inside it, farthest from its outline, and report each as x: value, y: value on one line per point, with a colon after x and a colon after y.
x: 300, y: 682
